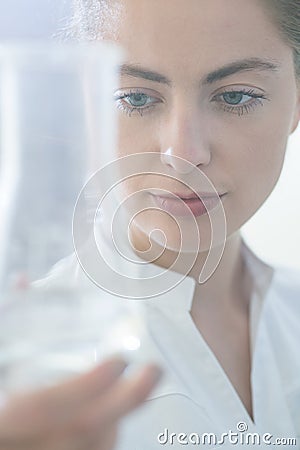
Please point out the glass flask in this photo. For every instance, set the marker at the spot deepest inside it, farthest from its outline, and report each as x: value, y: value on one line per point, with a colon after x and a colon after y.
x: 57, y: 127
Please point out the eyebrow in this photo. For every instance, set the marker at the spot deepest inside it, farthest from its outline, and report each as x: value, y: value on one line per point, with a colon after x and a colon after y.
x: 244, y: 65
x: 136, y: 71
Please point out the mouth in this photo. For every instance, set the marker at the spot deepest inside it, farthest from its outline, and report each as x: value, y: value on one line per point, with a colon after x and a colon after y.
x: 184, y: 204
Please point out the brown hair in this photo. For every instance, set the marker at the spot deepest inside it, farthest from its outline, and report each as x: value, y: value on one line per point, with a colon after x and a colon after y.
x: 286, y: 14
x: 90, y: 17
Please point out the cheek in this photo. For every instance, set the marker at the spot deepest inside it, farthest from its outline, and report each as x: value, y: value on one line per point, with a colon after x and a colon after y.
x: 135, y: 135
x: 254, y: 146
x: 132, y: 185
x: 252, y: 162
x: 264, y: 156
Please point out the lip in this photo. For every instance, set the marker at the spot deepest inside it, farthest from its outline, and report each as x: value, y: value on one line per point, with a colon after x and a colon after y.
x: 183, y: 204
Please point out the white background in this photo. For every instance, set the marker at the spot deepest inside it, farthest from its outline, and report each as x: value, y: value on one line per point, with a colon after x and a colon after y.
x: 31, y: 18
x: 274, y: 231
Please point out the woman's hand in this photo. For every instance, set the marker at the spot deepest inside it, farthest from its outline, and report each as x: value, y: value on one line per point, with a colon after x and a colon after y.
x: 81, y: 414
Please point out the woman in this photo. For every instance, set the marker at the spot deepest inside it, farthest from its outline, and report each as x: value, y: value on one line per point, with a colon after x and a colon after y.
x: 210, y: 86
x: 217, y: 84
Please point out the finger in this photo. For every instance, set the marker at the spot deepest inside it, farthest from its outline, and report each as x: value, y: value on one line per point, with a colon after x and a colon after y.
x: 80, y: 390
x: 42, y: 411
x: 122, y: 398
x: 128, y: 394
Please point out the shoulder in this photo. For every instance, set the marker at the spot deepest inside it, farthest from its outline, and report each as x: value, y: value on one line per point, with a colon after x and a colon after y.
x: 279, y: 285
x: 67, y: 273
x: 281, y: 318
x: 282, y: 303
x: 286, y: 287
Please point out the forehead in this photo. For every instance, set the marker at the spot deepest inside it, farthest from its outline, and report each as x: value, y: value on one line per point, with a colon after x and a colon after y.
x: 181, y: 35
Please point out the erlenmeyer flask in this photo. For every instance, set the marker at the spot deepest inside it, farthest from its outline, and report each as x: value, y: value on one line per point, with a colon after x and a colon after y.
x: 57, y: 126
x: 45, y: 157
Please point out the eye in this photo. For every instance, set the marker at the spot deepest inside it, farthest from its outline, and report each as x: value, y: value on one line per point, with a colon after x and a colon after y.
x: 239, y: 101
x: 236, y: 98
x: 135, y: 101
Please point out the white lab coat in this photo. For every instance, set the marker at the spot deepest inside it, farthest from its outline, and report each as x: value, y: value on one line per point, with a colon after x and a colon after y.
x: 195, y: 395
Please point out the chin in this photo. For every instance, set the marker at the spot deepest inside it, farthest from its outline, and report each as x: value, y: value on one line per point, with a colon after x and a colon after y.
x: 186, y: 235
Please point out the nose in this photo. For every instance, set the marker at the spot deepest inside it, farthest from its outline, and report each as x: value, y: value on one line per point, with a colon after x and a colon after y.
x: 185, y: 143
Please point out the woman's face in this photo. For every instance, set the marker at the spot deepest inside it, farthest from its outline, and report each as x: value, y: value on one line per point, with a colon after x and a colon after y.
x: 211, y: 82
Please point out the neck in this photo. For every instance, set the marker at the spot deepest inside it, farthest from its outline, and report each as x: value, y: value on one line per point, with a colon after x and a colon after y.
x: 229, y: 284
